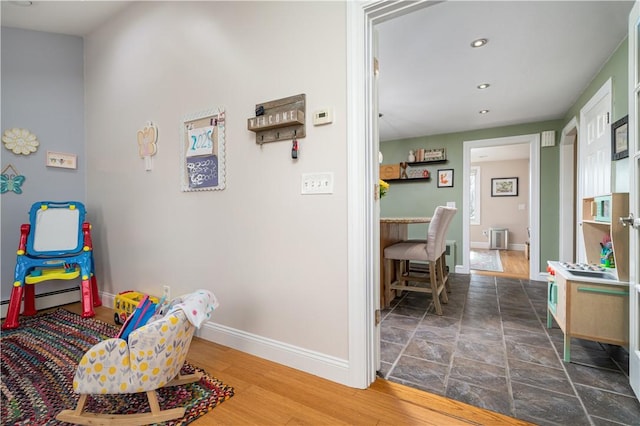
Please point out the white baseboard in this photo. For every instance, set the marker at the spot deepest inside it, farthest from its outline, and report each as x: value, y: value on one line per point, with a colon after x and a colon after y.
x: 312, y: 362
x: 107, y: 299
x: 48, y: 300
x: 319, y: 364
x: 479, y: 245
x: 485, y: 246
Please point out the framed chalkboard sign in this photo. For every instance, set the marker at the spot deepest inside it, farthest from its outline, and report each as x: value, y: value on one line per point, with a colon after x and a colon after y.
x: 203, y: 160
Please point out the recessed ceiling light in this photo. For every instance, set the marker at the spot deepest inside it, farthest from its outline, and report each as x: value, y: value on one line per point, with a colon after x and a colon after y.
x: 479, y: 42
x: 484, y: 111
x: 483, y: 86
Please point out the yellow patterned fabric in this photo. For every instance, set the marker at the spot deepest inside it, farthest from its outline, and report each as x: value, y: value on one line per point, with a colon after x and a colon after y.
x: 152, y: 357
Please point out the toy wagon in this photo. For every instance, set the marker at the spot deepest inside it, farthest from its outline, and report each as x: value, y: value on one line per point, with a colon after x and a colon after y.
x: 125, y: 303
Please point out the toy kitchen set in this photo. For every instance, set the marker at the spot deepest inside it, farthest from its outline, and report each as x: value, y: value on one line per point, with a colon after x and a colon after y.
x: 591, y: 300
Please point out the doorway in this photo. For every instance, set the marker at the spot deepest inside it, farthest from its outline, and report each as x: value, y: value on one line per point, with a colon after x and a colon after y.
x: 499, y: 243
x: 533, y: 142
x: 363, y: 215
x: 568, y: 219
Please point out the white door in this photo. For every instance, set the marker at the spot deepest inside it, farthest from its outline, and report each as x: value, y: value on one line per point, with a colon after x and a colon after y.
x: 594, y: 152
x: 634, y: 201
x: 596, y: 149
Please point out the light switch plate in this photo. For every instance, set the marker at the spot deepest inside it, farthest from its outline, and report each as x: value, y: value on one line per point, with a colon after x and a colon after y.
x: 317, y: 183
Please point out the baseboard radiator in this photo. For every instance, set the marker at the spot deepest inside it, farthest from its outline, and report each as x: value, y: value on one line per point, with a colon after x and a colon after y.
x: 48, y: 300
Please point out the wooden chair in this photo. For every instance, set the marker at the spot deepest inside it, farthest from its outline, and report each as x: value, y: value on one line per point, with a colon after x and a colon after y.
x: 432, y: 251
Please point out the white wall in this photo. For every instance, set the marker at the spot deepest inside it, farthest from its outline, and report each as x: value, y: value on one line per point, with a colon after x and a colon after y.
x: 277, y: 260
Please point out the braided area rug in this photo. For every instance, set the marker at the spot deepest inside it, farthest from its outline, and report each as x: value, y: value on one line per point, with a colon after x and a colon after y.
x: 39, y: 360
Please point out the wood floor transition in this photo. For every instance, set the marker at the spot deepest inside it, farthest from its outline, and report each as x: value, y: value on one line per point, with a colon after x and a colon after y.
x: 514, y: 265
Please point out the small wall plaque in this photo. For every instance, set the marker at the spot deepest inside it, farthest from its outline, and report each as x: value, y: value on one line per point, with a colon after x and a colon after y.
x: 436, y: 154
x: 62, y: 160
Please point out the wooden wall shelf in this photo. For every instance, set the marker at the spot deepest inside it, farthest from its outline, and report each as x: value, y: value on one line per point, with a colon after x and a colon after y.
x: 394, y: 172
x: 282, y: 119
x: 408, y: 180
x: 424, y: 163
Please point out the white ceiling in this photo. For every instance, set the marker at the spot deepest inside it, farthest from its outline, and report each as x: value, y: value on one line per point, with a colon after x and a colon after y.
x: 77, y: 18
x: 541, y: 55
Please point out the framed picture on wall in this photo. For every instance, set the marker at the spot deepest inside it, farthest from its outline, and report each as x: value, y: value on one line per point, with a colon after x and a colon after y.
x: 504, y: 187
x: 620, y: 139
x: 445, y: 178
x: 203, y: 151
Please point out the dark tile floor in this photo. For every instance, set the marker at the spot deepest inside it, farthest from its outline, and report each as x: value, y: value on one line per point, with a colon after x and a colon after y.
x: 491, y: 349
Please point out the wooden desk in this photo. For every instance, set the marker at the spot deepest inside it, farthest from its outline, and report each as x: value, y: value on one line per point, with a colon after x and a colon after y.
x: 393, y: 230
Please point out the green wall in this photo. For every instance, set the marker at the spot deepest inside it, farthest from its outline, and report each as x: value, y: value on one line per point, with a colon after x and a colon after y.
x: 616, y: 68
x: 421, y: 197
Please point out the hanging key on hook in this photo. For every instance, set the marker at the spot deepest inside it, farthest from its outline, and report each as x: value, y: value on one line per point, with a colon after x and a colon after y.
x: 294, y: 149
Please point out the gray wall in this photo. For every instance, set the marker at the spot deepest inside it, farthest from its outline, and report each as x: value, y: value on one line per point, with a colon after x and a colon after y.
x: 42, y: 91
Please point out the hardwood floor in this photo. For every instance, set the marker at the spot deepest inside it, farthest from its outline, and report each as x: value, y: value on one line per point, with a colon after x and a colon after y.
x: 514, y: 264
x: 267, y: 393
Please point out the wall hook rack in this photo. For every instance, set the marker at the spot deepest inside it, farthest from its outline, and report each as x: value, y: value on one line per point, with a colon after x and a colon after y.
x: 281, y: 119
